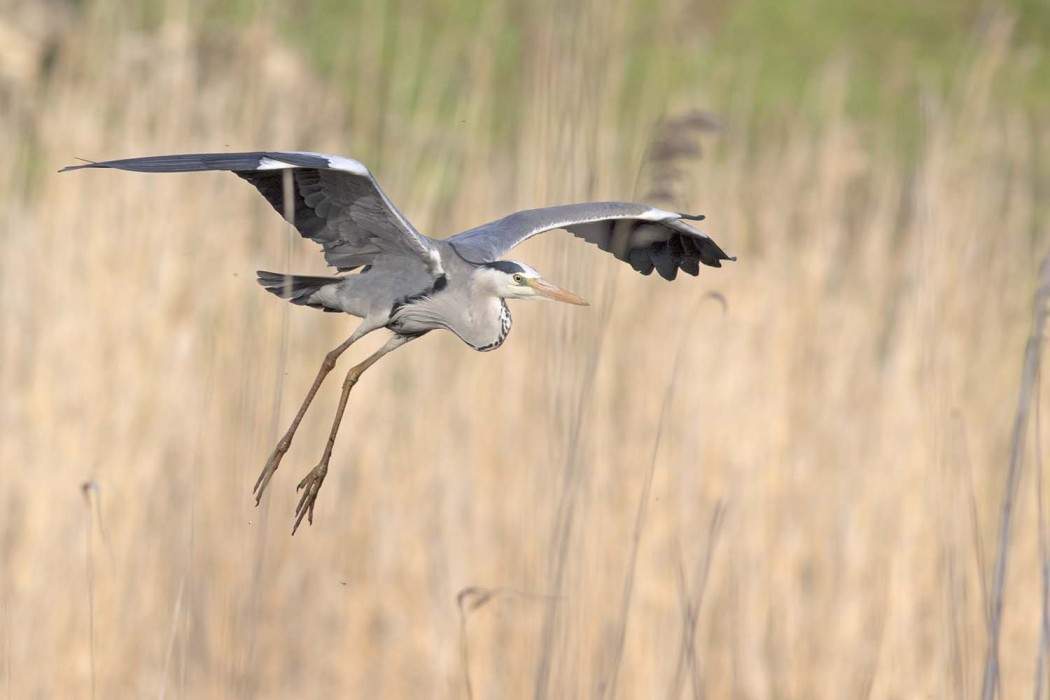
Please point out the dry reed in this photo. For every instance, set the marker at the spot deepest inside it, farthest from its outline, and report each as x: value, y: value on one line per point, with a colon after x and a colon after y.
x: 877, y: 314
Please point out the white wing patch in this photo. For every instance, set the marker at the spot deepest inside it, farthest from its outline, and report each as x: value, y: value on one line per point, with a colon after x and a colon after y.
x: 435, y: 265
x: 348, y: 165
x: 655, y: 214
x: 271, y: 164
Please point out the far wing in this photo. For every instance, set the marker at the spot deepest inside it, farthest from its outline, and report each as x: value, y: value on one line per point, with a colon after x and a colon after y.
x: 646, y: 237
x: 337, y: 201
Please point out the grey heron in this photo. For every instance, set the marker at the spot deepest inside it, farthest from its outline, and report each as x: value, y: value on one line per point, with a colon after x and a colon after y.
x: 410, y: 283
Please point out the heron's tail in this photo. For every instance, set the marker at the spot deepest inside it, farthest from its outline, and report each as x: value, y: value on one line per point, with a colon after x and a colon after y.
x: 298, y: 289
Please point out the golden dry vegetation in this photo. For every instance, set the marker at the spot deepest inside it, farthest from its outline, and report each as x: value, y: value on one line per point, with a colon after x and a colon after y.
x: 827, y: 448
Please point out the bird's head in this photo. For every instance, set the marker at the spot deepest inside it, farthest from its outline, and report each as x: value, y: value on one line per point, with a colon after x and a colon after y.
x: 510, y: 279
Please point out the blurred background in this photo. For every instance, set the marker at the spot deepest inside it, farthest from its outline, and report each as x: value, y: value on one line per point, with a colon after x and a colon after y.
x: 782, y: 479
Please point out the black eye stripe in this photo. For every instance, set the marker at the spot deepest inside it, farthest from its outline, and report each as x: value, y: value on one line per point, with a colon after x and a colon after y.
x: 508, y: 266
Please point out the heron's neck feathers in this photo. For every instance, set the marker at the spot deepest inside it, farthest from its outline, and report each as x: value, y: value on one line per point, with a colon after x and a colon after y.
x: 485, y: 283
x: 505, y: 322
x: 473, y: 311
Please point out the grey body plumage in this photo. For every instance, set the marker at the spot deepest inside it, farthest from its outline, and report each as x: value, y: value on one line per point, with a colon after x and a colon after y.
x: 410, y: 283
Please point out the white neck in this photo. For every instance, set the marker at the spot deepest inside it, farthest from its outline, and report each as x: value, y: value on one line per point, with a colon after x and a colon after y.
x: 474, y: 313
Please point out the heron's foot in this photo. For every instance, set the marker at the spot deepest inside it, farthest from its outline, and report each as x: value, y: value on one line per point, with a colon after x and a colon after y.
x: 268, y: 471
x: 310, y: 485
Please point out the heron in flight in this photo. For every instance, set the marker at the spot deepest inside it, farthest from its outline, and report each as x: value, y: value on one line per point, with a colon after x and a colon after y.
x: 410, y: 283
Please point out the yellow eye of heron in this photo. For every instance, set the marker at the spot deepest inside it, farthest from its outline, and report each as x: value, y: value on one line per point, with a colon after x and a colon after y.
x: 518, y: 279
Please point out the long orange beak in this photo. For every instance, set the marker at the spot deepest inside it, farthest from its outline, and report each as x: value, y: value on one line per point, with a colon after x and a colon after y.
x: 553, y: 291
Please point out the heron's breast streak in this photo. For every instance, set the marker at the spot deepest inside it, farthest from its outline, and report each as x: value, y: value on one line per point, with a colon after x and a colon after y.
x: 482, y: 323
x: 505, y: 322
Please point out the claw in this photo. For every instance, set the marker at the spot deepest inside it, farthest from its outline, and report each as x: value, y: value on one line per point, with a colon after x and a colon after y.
x: 271, y: 466
x: 268, y: 471
x: 310, y: 485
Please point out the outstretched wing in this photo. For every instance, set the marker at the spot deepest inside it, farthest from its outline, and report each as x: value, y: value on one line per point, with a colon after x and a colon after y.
x: 337, y: 201
x: 646, y: 237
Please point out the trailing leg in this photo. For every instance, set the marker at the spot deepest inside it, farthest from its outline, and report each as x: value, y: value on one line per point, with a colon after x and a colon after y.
x: 286, y: 440
x: 311, y: 483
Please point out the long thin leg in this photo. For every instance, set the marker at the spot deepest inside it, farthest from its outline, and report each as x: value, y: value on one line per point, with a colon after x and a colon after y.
x: 286, y: 441
x: 311, y: 483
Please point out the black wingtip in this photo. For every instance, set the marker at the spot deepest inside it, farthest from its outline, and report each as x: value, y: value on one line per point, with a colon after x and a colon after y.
x: 86, y: 164
x: 693, y: 217
x: 731, y: 258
